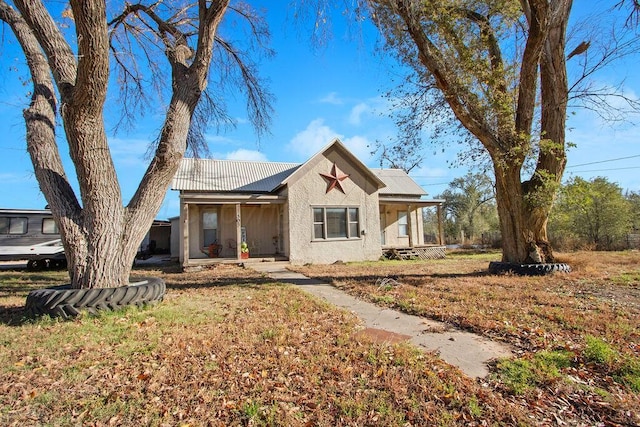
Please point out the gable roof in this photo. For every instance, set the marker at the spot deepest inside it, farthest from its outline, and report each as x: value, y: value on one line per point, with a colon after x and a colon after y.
x: 398, y: 183
x: 237, y: 176
x: 337, y: 144
x: 231, y: 175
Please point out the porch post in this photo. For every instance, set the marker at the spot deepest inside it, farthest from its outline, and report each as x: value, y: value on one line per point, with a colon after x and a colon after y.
x: 184, y: 225
x: 440, y: 225
x: 410, y: 228
x: 419, y: 239
x: 238, y: 232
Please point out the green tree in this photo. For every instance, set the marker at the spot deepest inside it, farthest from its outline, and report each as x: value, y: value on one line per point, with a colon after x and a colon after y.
x: 469, y: 206
x: 500, y: 68
x: 633, y: 197
x: 596, y: 211
x: 70, y: 56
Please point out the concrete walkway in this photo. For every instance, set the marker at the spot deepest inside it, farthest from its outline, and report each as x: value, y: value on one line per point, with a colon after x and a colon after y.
x: 467, y: 351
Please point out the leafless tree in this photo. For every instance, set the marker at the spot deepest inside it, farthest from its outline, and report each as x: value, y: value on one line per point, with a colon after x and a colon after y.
x: 71, y: 74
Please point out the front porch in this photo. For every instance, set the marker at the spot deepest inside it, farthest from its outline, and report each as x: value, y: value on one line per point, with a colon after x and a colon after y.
x: 219, y: 230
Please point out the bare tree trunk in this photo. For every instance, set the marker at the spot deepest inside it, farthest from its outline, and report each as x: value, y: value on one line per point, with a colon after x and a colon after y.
x: 100, y: 235
x: 510, y: 212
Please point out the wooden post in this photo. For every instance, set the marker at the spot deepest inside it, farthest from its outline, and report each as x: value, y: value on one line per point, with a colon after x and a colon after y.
x: 238, y: 231
x: 409, y: 227
x: 184, y: 224
x: 440, y: 225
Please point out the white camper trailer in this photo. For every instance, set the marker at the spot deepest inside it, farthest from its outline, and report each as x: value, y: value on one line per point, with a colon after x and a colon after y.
x: 31, y: 235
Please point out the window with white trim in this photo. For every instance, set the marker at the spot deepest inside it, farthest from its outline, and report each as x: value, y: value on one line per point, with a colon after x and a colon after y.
x: 209, y: 227
x: 336, y: 223
x: 13, y: 225
x: 403, y: 224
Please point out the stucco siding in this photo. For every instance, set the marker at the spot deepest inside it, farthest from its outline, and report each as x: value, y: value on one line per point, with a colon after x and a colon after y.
x: 311, y: 191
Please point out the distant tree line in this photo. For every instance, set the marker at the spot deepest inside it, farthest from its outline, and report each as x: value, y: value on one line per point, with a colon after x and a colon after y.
x: 588, y: 214
x: 595, y: 214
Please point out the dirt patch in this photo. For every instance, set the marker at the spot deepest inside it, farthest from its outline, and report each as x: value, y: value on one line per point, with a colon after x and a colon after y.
x: 381, y: 336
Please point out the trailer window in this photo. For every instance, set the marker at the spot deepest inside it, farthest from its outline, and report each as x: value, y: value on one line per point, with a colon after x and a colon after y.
x: 13, y: 225
x: 49, y: 226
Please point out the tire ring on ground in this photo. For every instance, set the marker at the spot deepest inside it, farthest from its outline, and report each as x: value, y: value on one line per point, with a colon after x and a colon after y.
x: 65, y: 302
x: 496, y: 267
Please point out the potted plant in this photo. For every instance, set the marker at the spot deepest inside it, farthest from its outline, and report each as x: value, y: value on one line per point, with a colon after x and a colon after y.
x: 244, y: 250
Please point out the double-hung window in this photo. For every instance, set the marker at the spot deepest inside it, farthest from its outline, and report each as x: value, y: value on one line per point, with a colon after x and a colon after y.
x: 210, y: 227
x: 403, y: 224
x: 336, y: 223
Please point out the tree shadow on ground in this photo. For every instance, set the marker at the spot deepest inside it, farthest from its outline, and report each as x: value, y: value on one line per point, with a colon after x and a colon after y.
x: 220, y: 283
x: 12, y: 316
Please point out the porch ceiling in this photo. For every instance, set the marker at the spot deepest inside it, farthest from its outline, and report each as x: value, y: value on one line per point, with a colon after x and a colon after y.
x: 224, y: 199
x: 409, y: 201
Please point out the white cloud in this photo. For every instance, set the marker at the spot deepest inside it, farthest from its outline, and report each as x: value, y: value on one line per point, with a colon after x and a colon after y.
x: 129, y: 152
x: 10, y: 178
x: 360, y: 147
x: 170, y: 206
x: 355, y: 118
x: 244, y: 154
x: 308, y: 142
x: 217, y: 139
x: 331, y: 98
x: 317, y: 135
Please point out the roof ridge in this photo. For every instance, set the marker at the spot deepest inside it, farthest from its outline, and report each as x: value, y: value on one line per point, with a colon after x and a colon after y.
x: 244, y: 161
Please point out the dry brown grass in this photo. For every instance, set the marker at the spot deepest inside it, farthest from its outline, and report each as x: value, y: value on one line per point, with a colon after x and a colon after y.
x: 226, y: 347
x: 599, y: 300
x: 230, y: 347
x: 601, y: 297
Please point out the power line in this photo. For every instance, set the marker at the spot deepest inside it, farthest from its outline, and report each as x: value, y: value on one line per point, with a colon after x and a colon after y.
x: 606, y: 170
x: 435, y: 183
x: 603, y: 161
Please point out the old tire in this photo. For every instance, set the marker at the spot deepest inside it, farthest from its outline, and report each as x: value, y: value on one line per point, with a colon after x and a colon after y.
x: 496, y: 267
x: 65, y: 302
x: 35, y: 264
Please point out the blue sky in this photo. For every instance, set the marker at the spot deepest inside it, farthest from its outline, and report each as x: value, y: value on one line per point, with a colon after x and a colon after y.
x: 320, y: 94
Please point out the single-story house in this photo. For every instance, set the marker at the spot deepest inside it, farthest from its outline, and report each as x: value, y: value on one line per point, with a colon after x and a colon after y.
x: 330, y: 208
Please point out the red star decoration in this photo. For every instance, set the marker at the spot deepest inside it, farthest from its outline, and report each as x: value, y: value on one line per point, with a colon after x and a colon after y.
x: 335, y: 178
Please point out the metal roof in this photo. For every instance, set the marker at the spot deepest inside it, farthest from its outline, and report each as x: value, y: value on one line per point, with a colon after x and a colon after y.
x: 398, y: 183
x: 206, y: 175
x: 231, y: 175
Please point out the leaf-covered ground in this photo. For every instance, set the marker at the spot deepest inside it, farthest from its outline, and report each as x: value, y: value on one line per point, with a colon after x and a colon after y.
x: 577, y: 335
x: 225, y: 348
x: 229, y: 347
